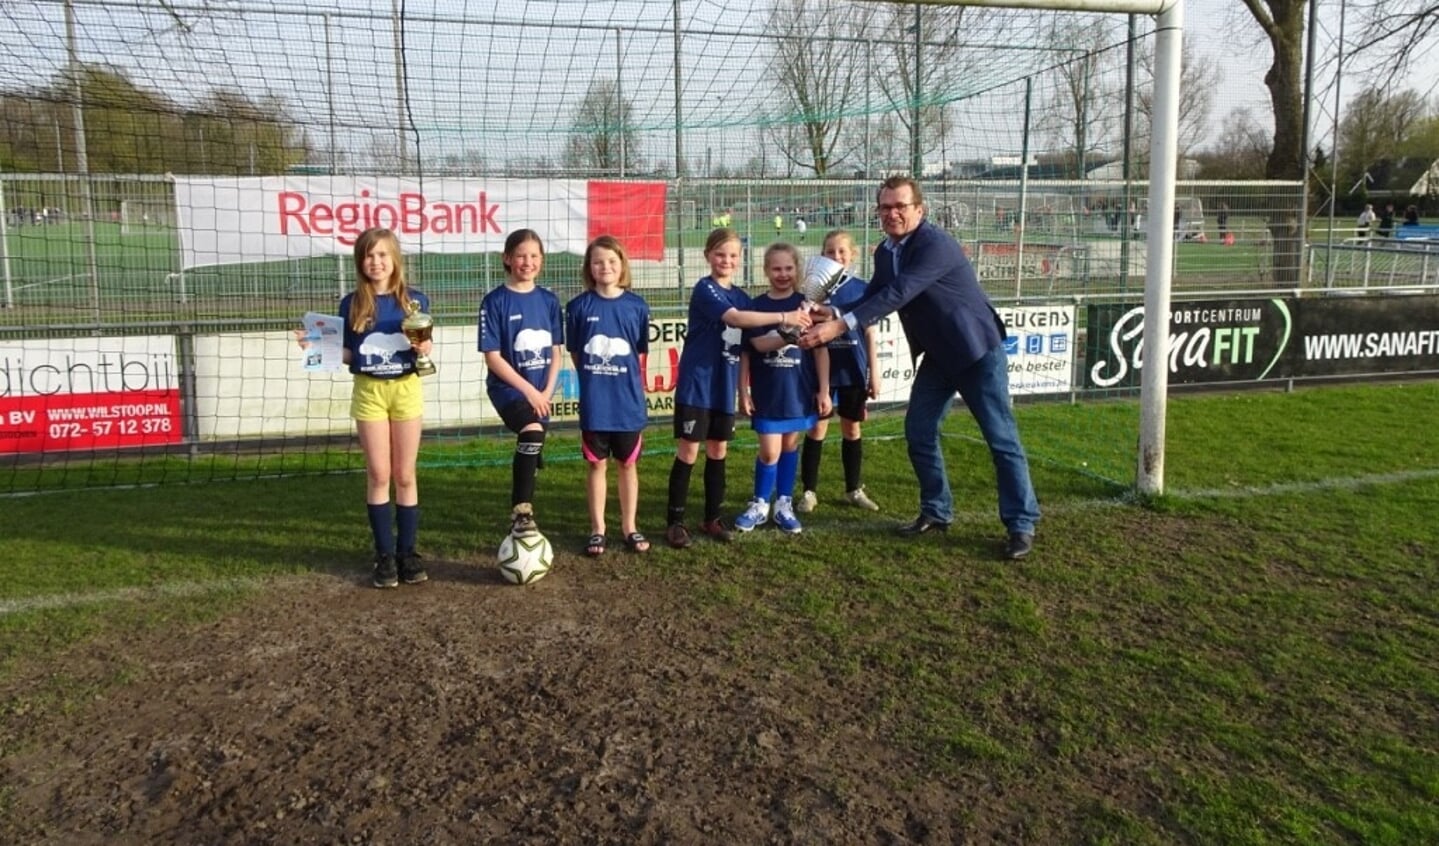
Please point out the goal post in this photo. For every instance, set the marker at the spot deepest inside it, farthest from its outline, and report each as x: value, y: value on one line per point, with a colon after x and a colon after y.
x: 1163, y: 171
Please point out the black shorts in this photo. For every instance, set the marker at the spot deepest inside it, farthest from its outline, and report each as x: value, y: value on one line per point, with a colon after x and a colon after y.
x: 518, y: 415
x: 624, y: 446
x: 702, y: 424
x: 851, y: 403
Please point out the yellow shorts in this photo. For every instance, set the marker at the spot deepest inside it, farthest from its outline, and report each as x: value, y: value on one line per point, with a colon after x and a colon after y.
x: 387, y: 399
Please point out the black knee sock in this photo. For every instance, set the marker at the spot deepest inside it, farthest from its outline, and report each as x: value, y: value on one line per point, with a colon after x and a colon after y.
x: 407, y: 519
x: 679, y: 492
x: 714, y: 488
x: 527, y: 462
x: 809, y: 464
x: 852, y: 454
x: 381, y: 527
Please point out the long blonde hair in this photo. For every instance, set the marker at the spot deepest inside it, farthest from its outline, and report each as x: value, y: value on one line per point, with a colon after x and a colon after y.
x: 362, y: 305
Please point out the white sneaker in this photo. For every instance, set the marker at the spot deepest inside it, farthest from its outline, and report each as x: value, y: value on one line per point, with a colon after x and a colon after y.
x: 806, y: 503
x: 756, y: 515
x: 859, y: 499
x: 784, y: 518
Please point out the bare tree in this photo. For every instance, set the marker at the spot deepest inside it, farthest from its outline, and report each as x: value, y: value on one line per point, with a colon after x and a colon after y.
x: 1241, y: 150
x: 1199, y: 78
x: 601, y: 131
x: 1396, y: 35
x: 815, y: 70
x: 926, y: 53
x: 1077, y: 109
x: 1283, y: 24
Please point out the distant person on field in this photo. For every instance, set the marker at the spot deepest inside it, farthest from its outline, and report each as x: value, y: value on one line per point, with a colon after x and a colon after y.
x: 607, y: 329
x: 800, y: 227
x: 921, y: 271
x: 1225, y: 237
x: 386, y: 401
x: 1365, y: 221
x: 854, y: 381
x: 1411, y: 216
x: 1386, y: 222
x: 522, y: 336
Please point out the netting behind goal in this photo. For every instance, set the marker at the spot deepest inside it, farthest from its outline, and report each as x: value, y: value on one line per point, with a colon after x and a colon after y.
x: 155, y: 187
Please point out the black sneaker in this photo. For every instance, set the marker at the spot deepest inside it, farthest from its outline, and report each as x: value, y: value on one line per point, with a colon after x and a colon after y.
x: 386, y: 576
x: 1020, y: 544
x: 412, y: 572
x: 522, y: 520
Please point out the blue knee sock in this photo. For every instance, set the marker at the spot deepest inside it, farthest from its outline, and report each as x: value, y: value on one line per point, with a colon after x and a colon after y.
x: 787, y: 467
x: 763, y: 480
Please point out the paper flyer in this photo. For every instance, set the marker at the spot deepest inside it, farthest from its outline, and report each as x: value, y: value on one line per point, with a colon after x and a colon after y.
x: 322, y: 347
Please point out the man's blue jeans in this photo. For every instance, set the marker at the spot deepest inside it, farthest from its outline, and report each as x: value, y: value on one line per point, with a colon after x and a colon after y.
x: 984, y: 386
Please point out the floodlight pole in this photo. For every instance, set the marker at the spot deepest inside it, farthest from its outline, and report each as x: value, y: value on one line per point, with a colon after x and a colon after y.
x: 82, y: 156
x: 5, y: 248
x: 916, y: 159
x: 620, y: 100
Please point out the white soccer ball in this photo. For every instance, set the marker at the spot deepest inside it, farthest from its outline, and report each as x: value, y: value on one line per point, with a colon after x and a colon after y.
x: 525, y: 560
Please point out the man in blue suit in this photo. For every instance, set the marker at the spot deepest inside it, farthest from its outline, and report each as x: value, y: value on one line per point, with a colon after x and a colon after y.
x: 921, y: 272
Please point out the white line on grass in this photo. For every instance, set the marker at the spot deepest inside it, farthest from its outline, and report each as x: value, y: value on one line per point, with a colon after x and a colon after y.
x: 169, y: 589
x: 1344, y: 483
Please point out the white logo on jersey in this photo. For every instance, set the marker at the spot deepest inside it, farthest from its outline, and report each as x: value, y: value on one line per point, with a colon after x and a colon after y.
x: 730, y: 338
x: 531, y: 344
x: 605, y: 348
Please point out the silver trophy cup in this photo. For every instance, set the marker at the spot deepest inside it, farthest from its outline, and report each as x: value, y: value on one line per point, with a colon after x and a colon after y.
x: 822, y: 276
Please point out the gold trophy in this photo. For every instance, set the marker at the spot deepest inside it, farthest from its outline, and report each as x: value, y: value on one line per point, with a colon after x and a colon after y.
x: 418, y: 326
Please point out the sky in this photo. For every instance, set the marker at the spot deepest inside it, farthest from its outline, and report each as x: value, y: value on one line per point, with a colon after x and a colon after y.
x: 514, y: 72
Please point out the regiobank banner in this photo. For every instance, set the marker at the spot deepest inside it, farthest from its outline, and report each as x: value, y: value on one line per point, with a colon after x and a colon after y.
x: 236, y: 220
x: 1255, y: 340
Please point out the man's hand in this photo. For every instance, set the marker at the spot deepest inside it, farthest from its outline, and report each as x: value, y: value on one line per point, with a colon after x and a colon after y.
x: 821, y: 333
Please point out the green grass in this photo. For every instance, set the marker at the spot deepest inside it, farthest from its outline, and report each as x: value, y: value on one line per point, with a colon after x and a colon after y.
x: 1252, y: 658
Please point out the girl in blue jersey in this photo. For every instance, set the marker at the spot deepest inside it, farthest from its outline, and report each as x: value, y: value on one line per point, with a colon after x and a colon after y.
x: 522, y: 335
x: 708, y: 381
x: 386, y: 401
x: 607, y: 329
x: 854, y: 378
x: 784, y: 389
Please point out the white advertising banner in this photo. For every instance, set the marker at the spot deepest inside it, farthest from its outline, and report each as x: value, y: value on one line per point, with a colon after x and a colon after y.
x: 1040, y: 347
x: 236, y: 220
x: 248, y: 384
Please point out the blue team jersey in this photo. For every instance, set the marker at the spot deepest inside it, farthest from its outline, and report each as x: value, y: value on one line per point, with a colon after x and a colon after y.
x: 606, y: 337
x: 524, y: 328
x: 849, y: 353
x: 709, y: 362
x: 382, y: 351
x: 783, y: 383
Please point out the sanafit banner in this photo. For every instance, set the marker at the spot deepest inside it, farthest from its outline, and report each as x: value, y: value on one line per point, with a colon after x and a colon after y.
x: 228, y: 220
x: 1259, y: 339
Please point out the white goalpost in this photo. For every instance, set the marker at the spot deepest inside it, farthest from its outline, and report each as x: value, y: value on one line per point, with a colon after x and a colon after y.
x: 1163, y: 171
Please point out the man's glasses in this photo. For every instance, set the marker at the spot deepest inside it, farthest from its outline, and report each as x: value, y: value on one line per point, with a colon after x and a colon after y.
x: 886, y: 208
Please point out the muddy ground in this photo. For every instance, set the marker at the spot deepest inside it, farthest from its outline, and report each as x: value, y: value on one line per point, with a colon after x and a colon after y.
x: 592, y: 707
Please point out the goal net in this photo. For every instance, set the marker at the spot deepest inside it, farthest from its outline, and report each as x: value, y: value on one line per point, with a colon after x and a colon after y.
x: 238, y: 147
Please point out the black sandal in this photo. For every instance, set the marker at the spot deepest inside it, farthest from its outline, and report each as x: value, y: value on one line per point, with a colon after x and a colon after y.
x: 637, y: 543
x: 595, y: 547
